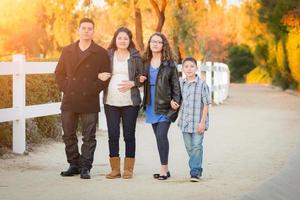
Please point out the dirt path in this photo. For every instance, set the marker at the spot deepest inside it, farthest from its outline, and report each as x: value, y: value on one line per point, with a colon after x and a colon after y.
x: 250, y: 139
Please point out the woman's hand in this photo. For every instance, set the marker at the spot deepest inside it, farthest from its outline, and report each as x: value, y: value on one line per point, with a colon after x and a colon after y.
x: 174, y: 105
x: 104, y: 76
x: 201, y: 127
x: 142, y: 78
x: 125, y: 86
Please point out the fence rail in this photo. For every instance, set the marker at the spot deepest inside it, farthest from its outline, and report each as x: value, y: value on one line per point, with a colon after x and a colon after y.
x: 216, y: 75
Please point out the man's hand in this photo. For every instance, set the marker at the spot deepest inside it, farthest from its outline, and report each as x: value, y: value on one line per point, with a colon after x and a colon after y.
x: 125, y: 86
x: 174, y: 105
x: 104, y: 76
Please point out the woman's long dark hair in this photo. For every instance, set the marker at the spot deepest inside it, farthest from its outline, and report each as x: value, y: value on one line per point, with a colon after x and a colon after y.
x: 113, y: 44
x: 167, y: 53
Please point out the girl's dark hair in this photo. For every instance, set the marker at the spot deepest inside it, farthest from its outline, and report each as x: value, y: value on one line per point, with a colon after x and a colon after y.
x: 167, y: 53
x: 113, y: 44
x: 193, y: 60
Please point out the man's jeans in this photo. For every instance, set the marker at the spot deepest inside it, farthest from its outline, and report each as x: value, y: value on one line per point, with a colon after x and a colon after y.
x: 194, y: 148
x: 88, y: 123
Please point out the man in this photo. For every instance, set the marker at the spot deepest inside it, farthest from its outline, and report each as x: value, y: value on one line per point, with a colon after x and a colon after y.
x: 77, y: 77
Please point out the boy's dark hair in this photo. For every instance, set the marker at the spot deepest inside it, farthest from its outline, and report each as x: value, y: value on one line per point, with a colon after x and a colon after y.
x: 193, y: 60
x: 88, y: 20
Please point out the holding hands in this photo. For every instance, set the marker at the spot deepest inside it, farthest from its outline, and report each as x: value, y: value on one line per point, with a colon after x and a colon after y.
x: 104, y: 76
x: 143, y: 78
x: 174, y: 105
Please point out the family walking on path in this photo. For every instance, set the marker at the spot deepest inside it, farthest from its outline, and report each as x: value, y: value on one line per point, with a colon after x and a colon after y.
x: 85, y: 69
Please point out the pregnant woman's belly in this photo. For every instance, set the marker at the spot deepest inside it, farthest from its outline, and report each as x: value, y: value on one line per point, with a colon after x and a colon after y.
x: 114, y: 96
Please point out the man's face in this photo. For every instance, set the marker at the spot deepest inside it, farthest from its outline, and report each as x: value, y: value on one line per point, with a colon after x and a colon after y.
x: 86, y: 31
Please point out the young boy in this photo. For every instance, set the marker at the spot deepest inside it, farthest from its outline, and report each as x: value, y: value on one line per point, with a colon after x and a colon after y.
x: 193, y: 119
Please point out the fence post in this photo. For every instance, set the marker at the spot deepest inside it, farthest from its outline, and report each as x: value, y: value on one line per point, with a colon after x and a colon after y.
x: 209, y: 79
x: 227, y: 80
x: 224, y: 81
x: 19, y: 94
x: 102, y: 119
x: 216, y: 83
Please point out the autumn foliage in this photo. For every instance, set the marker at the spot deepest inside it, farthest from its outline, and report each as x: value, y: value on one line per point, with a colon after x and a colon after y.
x: 266, y: 32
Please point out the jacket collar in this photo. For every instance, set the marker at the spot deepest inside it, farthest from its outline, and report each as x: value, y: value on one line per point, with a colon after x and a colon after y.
x: 133, y: 53
x: 92, y: 48
x: 197, y: 80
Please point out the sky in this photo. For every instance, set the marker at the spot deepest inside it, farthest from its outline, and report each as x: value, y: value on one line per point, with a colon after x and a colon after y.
x: 230, y: 2
x: 234, y: 2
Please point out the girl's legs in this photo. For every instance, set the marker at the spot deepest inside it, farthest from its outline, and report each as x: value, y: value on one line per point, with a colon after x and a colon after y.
x: 161, y: 134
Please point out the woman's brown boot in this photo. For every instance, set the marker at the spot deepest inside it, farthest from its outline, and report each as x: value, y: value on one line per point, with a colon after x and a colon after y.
x: 115, y: 168
x: 128, y: 167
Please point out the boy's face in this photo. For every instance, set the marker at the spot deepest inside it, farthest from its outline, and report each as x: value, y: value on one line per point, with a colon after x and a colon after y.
x: 86, y: 31
x: 189, y: 68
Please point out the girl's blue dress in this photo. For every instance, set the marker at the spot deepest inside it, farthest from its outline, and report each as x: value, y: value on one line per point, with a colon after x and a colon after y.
x: 151, y: 117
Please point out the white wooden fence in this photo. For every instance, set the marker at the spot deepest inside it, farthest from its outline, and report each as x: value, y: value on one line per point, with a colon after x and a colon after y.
x: 217, y: 77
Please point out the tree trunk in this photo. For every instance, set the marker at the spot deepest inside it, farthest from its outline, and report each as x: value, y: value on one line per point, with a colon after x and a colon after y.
x: 160, y: 13
x: 161, y: 22
x: 177, y: 50
x: 138, y: 27
x: 175, y: 36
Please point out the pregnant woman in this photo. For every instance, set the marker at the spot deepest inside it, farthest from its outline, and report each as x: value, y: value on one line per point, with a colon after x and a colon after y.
x: 122, y: 100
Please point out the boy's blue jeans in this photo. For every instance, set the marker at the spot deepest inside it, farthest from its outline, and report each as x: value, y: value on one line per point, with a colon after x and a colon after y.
x: 193, y: 144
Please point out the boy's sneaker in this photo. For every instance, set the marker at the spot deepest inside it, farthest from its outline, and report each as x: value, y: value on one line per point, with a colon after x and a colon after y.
x: 195, y: 179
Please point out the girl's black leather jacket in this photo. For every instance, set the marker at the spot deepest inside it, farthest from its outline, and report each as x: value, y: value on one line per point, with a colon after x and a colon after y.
x: 167, y: 88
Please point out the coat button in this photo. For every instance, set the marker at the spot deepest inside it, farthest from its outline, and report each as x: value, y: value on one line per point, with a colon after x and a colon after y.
x: 74, y: 79
x: 84, y: 79
x: 72, y: 93
x: 84, y: 94
x: 87, y: 65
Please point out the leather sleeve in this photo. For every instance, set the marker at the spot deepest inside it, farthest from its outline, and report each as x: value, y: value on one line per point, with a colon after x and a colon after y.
x: 175, y: 85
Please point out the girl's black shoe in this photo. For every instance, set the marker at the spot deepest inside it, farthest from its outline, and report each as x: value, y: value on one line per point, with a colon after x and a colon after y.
x: 162, y: 177
x: 156, y: 176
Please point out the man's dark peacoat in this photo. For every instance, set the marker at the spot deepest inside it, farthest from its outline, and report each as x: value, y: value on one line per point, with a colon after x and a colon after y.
x: 78, y: 79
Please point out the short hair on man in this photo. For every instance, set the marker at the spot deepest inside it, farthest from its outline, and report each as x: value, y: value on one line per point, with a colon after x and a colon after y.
x: 88, y: 20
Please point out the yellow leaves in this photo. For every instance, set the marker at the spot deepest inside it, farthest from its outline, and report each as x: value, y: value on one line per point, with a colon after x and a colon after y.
x: 293, y: 53
x: 280, y: 57
x: 258, y: 76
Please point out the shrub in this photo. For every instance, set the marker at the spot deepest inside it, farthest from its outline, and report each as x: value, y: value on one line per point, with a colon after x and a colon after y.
x: 259, y: 75
x: 241, y: 62
x: 40, y: 89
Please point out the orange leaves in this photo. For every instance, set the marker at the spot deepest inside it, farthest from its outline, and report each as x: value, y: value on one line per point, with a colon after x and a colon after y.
x: 292, y: 19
